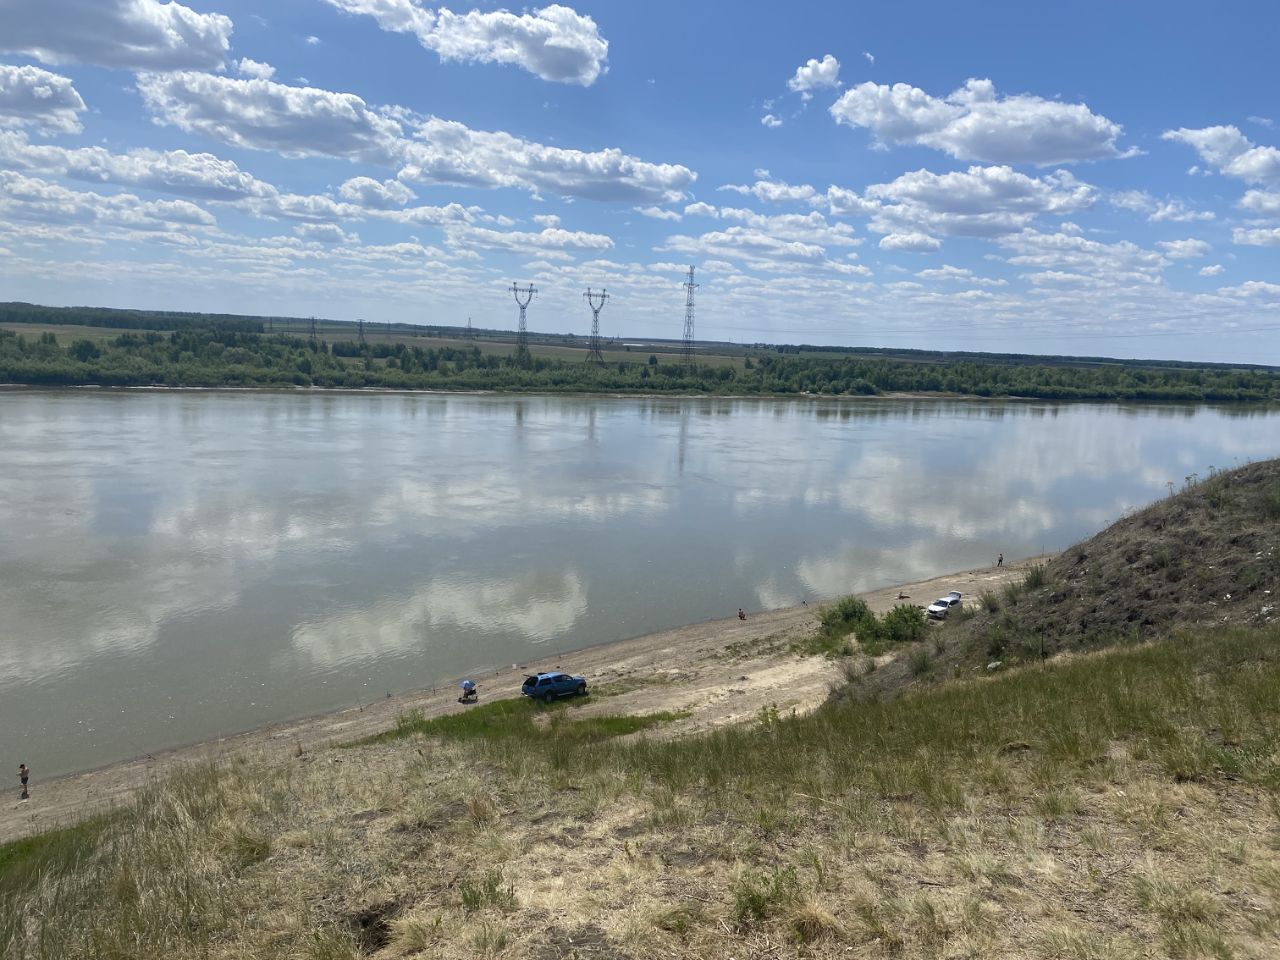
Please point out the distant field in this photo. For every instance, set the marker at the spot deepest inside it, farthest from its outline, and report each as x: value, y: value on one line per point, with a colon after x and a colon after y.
x: 65, y: 332
x: 666, y: 353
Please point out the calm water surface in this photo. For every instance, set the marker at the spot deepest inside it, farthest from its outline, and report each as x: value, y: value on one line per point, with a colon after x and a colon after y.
x: 177, y: 566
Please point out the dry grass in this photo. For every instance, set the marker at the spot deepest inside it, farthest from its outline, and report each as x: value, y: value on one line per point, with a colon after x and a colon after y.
x: 1082, y: 809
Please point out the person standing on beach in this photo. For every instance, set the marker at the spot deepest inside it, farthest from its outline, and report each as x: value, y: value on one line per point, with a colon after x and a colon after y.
x: 1000, y: 560
x: 23, y: 774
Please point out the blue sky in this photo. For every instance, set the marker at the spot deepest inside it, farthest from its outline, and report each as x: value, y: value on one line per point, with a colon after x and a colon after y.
x: 1103, y: 179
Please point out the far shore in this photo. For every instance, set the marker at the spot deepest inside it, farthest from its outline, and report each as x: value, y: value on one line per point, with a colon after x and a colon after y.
x: 717, y: 672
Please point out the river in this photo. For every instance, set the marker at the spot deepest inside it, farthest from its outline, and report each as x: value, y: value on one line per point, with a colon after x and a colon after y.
x: 176, y: 566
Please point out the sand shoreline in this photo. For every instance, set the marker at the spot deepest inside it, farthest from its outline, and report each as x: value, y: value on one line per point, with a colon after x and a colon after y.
x: 717, y: 671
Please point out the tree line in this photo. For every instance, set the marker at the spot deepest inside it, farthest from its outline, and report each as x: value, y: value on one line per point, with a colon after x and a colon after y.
x: 217, y: 353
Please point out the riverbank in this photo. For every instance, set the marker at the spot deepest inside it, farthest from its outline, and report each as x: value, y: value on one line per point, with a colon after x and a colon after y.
x: 714, y: 673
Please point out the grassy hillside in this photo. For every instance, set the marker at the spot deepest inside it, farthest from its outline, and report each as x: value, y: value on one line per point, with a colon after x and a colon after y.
x: 1120, y: 801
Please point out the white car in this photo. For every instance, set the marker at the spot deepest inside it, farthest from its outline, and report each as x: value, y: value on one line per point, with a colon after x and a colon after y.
x: 943, y: 605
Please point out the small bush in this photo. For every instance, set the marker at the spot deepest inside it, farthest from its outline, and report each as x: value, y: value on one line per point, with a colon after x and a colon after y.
x: 921, y: 662
x: 846, y: 613
x: 1036, y: 577
x: 758, y: 896
x: 904, y: 624
x: 990, y: 602
x: 489, y: 891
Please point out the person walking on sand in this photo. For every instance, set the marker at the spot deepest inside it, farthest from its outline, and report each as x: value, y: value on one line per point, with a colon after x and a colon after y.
x: 23, y: 774
x: 1000, y: 560
x: 741, y: 615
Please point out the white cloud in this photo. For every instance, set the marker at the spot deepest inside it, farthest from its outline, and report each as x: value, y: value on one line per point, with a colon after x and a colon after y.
x: 815, y: 75
x: 30, y: 96
x: 774, y: 191
x: 1121, y: 263
x: 450, y: 152
x: 1261, y: 203
x: 910, y: 242
x: 700, y: 209
x: 745, y: 243
x: 307, y: 121
x: 769, y: 120
x: 254, y: 70
x: 1184, y: 249
x: 806, y: 227
x: 548, y: 239
x: 1261, y: 237
x: 657, y: 213
x: 264, y: 115
x: 973, y: 123
x: 125, y: 34
x: 1171, y: 210
x: 375, y: 194
x: 1212, y: 270
x: 312, y: 41
x: 199, y: 175
x: 1253, y: 290
x: 554, y: 43
x: 960, y: 275
x: 980, y: 201
x: 1231, y: 153
x: 870, y: 57
x: 325, y: 233
x: 31, y: 198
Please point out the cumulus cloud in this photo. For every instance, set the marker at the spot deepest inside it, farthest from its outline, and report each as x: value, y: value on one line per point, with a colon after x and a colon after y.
x: 1184, y: 249
x: 375, y: 194
x: 815, y: 75
x: 1231, y: 153
x: 1170, y: 210
x: 974, y: 123
x: 1260, y: 237
x: 124, y: 34
x: 548, y: 239
x: 30, y: 96
x: 657, y: 213
x: 445, y: 151
x: 307, y: 121
x: 980, y: 201
x: 254, y: 70
x: 1261, y: 203
x: 774, y: 191
x: 325, y: 233
x: 910, y: 242
x: 1212, y: 270
x: 554, y: 43
x: 199, y: 175
x: 1253, y: 290
x: 745, y: 243
x: 769, y: 120
x: 700, y: 209
x: 1069, y: 255
x: 264, y: 115
x: 959, y: 275
x: 32, y: 198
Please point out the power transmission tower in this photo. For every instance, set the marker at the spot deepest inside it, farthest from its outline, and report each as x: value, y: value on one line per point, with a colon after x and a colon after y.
x: 523, y: 296
x: 596, y: 302
x: 313, y: 329
x: 469, y: 333
x: 360, y: 326
x: 687, y: 351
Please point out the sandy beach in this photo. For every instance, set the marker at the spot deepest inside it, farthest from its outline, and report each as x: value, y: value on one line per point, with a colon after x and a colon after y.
x: 716, y: 671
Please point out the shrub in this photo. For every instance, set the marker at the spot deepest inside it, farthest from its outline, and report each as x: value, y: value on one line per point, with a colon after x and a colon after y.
x: 904, y: 624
